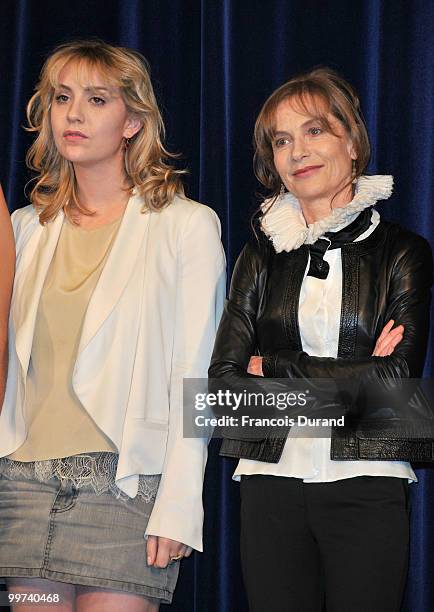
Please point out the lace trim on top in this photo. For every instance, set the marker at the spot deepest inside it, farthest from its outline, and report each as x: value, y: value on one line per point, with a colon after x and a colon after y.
x: 97, y: 470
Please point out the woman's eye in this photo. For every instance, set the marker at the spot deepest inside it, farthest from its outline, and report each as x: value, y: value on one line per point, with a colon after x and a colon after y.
x: 97, y: 100
x: 61, y: 98
x: 315, y: 131
x: 281, y: 142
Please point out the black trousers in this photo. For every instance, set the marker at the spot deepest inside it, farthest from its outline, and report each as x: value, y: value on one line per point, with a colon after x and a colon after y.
x: 336, y: 546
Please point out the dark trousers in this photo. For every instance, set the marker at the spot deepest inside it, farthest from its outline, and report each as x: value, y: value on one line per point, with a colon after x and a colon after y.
x: 336, y: 546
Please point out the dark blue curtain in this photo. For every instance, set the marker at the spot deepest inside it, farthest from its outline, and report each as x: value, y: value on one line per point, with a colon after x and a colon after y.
x: 213, y: 64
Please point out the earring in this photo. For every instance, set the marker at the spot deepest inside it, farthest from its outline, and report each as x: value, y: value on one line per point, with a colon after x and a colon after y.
x: 353, y: 172
x: 127, y: 142
x: 282, y: 190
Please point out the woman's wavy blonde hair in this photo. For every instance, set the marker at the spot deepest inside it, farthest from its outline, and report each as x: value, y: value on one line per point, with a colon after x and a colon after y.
x: 317, y: 92
x: 146, y: 159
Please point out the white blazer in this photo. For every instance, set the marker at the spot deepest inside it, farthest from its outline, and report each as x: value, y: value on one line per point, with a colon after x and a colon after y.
x: 151, y: 322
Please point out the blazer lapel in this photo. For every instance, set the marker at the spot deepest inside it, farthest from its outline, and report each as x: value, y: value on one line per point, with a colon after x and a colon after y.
x: 40, y: 249
x: 118, y: 268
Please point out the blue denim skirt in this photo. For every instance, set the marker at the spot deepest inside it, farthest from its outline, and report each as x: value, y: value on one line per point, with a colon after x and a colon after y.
x: 59, y: 531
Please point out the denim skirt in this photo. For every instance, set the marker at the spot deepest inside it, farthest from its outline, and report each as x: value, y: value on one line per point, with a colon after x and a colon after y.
x: 59, y: 531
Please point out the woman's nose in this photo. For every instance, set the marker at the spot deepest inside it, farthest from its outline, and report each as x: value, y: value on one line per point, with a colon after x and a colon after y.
x: 299, y: 149
x: 75, y: 111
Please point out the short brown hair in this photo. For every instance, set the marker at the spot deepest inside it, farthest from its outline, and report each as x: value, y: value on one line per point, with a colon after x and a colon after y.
x: 338, y: 98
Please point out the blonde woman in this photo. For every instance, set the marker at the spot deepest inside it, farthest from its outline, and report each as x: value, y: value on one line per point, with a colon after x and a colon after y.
x: 7, y: 260
x: 119, y: 284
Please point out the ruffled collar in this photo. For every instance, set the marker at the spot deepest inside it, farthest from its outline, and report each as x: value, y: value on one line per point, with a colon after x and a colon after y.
x: 286, y: 227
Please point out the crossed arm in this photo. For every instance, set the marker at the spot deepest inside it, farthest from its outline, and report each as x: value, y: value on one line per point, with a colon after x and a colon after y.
x: 402, y: 349
x: 389, y: 338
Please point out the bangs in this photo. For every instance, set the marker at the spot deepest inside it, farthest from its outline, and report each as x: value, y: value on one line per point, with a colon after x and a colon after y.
x: 306, y: 100
x: 90, y: 72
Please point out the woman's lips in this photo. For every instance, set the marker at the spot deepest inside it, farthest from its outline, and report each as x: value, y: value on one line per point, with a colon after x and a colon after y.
x: 74, y: 136
x: 305, y: 172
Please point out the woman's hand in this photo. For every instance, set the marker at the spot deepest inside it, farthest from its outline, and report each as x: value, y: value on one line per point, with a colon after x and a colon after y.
x: 255, y: 366
x: 162, y: 551
x: 388, y: 339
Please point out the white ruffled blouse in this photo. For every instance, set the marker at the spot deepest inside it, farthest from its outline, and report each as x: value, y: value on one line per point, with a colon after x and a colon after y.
x: 284, y: 224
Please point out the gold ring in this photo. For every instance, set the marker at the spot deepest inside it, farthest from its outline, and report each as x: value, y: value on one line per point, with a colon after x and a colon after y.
x: 176, y: 557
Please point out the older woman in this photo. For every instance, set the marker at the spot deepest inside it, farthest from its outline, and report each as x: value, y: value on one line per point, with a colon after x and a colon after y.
x: 326, y: 290
x: 7, y: 263
x: 118, y: 290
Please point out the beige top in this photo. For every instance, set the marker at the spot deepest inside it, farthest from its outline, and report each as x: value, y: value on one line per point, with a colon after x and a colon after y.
x: 58, y: 424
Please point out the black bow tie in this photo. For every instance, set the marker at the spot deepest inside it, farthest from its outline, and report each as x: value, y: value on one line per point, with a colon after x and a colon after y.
x: 320, y: 268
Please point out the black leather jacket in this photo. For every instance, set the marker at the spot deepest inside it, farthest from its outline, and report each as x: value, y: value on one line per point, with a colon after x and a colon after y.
x: 386, y: 276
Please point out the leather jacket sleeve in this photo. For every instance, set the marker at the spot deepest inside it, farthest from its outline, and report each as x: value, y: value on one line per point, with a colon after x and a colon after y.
x: 408, y: 304
x: 236, y: 336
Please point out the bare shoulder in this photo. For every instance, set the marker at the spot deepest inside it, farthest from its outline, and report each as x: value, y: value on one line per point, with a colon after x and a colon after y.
x: 4, y: 213
x: 7, y: 257
x: 5, y: 222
